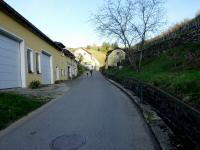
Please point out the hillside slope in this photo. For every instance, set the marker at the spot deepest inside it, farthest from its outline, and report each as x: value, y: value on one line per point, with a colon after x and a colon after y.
x: 177, y: 72
x: 100, y: 56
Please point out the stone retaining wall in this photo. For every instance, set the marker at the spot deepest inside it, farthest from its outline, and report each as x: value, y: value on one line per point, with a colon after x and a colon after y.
x: 186, y: 33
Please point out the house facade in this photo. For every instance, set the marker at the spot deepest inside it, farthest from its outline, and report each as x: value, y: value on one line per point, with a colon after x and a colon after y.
x: 114, y: 58
x: 72, y: 65
x: 86, y: 58
x: 27, y: 54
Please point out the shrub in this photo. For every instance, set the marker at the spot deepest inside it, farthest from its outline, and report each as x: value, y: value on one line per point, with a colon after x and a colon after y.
x: 102, y: 69
x: 81, y: 69
x: 58, y: 81
x: 35, y: 84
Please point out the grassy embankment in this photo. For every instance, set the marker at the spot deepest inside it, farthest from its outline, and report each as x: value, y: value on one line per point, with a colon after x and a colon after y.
x: 13, y: 107
x: 99, y: 55
x: 177, y: 72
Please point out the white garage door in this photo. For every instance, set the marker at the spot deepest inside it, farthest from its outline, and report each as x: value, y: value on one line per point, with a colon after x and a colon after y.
x: 10, y: 76
x: 46, y: 69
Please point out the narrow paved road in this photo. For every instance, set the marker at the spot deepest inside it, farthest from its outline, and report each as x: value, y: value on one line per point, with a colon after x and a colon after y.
x: 93, y: 108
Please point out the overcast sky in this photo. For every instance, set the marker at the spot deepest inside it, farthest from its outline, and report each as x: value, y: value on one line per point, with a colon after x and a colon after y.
x: 67, y: 20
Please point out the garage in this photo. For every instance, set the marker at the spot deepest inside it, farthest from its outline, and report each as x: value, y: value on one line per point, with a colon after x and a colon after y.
x: 10, y: 72
x: 46, y: 68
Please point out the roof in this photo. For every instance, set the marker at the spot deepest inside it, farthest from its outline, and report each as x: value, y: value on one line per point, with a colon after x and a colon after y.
x: 60, y: 44
x: 84, y: 50
x: 4, y: 7
x: 68, y: 53
x: 64, y: 50
x: 110, y: 51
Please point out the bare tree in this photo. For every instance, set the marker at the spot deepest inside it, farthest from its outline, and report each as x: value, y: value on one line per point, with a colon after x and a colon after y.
x: 150, y: 18
x: 129, y: 22
x: 115, y: 20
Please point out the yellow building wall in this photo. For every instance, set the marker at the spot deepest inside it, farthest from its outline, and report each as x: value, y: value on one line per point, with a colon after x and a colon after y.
x: 35, y: 43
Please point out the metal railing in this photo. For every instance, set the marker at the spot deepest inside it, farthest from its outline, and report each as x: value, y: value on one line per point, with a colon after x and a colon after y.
x: 179, y: 114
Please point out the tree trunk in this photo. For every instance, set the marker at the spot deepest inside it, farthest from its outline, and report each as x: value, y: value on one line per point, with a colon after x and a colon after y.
x: 132, y: 61
x: 141, y: 55
x: 140, y: 61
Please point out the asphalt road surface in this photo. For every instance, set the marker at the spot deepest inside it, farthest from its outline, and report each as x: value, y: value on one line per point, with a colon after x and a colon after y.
x: 94, y: 109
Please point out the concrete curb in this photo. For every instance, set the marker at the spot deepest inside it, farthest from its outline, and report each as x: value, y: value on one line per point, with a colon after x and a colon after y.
x: 159, y: 129
x: 29, y: 116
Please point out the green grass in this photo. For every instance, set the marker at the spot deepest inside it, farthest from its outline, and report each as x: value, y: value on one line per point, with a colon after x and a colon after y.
x: 179, y: 76
x: 13, y: 107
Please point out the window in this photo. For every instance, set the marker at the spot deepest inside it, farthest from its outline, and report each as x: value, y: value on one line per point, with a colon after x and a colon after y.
x: 30, y: 60
x: 38, y: 63
x: 69, y: 71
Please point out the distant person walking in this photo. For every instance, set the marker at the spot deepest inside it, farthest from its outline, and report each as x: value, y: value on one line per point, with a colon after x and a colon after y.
x: 91, y: 71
